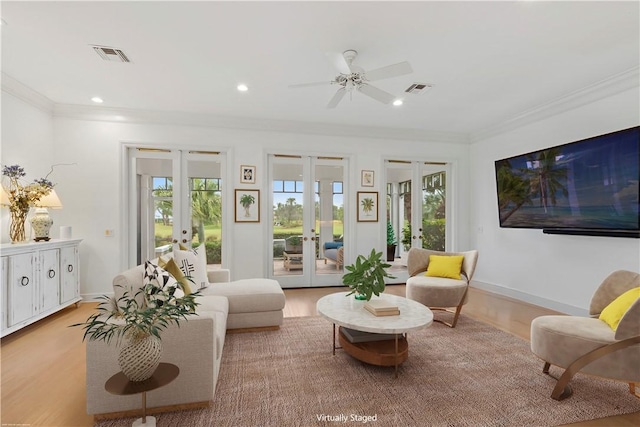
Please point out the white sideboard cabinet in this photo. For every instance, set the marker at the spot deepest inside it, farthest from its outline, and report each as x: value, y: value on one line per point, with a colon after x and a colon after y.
x: 38, y: 279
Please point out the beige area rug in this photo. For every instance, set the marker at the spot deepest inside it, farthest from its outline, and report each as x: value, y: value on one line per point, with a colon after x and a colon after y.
x: 473, y: 375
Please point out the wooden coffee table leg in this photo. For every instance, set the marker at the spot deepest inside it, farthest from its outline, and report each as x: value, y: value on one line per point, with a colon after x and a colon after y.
x: 396, y: 355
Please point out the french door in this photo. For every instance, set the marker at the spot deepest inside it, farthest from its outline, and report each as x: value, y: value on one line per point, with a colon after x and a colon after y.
x: 307, y: 220
x: 418, y: 209
x: 175, y: 197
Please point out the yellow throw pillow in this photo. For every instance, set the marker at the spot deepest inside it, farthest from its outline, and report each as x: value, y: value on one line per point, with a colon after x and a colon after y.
x: 612, y: 313
x: 177, y: 274
x: 448, y: 266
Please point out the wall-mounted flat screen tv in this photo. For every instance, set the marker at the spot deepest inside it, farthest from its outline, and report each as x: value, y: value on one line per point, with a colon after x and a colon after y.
x: 584, y: 187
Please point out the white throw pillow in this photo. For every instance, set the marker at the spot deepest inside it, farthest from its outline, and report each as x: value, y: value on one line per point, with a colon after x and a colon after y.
x: 193, y: 263
x: 157, y: 279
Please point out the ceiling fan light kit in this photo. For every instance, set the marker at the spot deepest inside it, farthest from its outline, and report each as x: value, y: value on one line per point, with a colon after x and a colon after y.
x: 352, y: 78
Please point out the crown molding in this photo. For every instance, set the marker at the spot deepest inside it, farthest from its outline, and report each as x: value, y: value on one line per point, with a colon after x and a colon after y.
x: 610, y: 86
x: 122, y: 115
x: 26, y: 94
x: 604, y: 88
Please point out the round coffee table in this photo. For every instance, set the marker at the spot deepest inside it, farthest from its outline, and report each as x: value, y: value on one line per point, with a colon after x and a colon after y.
x: 347, y: 312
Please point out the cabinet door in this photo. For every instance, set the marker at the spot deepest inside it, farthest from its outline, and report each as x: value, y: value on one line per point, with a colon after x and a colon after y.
x: 49, y: 279
x: 22, y: 288
x: 69, y: 279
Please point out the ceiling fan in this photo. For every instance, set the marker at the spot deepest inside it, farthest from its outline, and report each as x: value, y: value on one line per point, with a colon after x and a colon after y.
x: 353, y: 78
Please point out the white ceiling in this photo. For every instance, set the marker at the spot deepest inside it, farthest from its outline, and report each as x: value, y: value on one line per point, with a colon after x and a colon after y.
x: 490, y: 62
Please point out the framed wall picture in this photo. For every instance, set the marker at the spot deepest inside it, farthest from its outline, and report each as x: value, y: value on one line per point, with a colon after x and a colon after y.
x: 247, y: 206
x: 367, y: 206
x: 247, y: 174
x: 366, y: 179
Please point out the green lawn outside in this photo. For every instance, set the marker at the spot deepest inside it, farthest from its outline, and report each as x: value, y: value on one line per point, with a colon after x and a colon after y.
x: 164, y: 232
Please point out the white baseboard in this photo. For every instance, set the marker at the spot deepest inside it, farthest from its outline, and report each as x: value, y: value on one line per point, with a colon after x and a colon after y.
x: 95, y: 297
x: 531, y: 299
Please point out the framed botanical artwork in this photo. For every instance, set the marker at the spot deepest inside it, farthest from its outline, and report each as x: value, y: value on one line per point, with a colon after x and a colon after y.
x: 247, y: 206
x: 367, y: 206
x: 366, y: 179
x: 247, y: 174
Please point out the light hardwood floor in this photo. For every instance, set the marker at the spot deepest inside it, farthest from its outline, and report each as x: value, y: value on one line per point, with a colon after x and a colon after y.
x: 43, y: 365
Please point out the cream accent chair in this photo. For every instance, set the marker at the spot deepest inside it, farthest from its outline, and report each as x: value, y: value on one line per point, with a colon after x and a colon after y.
x: 589, y: 345
x: 439, y: 293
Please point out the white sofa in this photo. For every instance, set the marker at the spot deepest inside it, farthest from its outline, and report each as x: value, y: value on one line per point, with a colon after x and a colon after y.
x: 195, y: 347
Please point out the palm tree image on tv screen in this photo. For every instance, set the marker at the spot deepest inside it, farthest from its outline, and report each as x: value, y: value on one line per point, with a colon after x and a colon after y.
x: 588, y: 184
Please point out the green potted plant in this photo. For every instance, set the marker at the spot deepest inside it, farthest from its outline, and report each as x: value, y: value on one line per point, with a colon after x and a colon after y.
x: 391, y: 242
x: 366, y: 276
x: 140, y: 324
x: 293, y: 244
x: 406, y: 236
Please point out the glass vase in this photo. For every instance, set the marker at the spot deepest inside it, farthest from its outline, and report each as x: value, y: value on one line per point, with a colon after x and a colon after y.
x: 16, y: 228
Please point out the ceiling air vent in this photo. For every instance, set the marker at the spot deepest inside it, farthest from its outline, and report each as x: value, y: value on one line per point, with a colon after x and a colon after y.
x: 418, y: 88
x: 111, y: 54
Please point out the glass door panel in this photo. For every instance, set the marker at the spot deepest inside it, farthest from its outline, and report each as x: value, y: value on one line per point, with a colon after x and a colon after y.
x: 434, y: 208
x: 399, y: 202
x: 329, y: 218
x: 162, y: 199
x: 288, y: 200
x: 152, y: 198
x: 204, y: 210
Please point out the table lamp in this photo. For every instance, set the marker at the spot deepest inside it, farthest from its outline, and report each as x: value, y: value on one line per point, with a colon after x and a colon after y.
x: 41, y: 222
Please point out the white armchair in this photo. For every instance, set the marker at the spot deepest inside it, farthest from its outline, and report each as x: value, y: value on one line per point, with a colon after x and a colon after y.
x: 439, y: 293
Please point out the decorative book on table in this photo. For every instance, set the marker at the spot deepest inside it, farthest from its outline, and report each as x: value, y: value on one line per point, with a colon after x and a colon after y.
x: 381, y: 307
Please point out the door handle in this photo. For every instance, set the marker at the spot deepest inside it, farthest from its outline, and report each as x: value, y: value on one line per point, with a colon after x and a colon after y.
x: 174, y: 241
x: 184, y: 240
x: 305, y: 238
x: 51, y: 273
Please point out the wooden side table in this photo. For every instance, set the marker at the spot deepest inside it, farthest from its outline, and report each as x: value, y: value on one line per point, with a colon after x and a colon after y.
x: 292, y: 261
x: 119, y: 384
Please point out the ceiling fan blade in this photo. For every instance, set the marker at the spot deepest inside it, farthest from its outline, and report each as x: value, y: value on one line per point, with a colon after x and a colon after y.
x: 325, y: 83
x: 336, y: 98
x: 338, y: 61
x: 377, y: 94
x: 394, y: 70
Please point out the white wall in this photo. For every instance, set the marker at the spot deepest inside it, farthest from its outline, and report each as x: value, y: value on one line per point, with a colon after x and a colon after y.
x: 557, y: 271
x: 27, y: 140
x: 91, y: 191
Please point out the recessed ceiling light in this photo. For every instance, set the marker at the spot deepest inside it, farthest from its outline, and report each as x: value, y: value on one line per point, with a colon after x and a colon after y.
x: 397, y: 102
x: 243, y: 87
x: 97, y: 100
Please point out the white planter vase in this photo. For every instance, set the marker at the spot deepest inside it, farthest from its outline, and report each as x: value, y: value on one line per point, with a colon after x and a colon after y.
x: 140, y: 357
